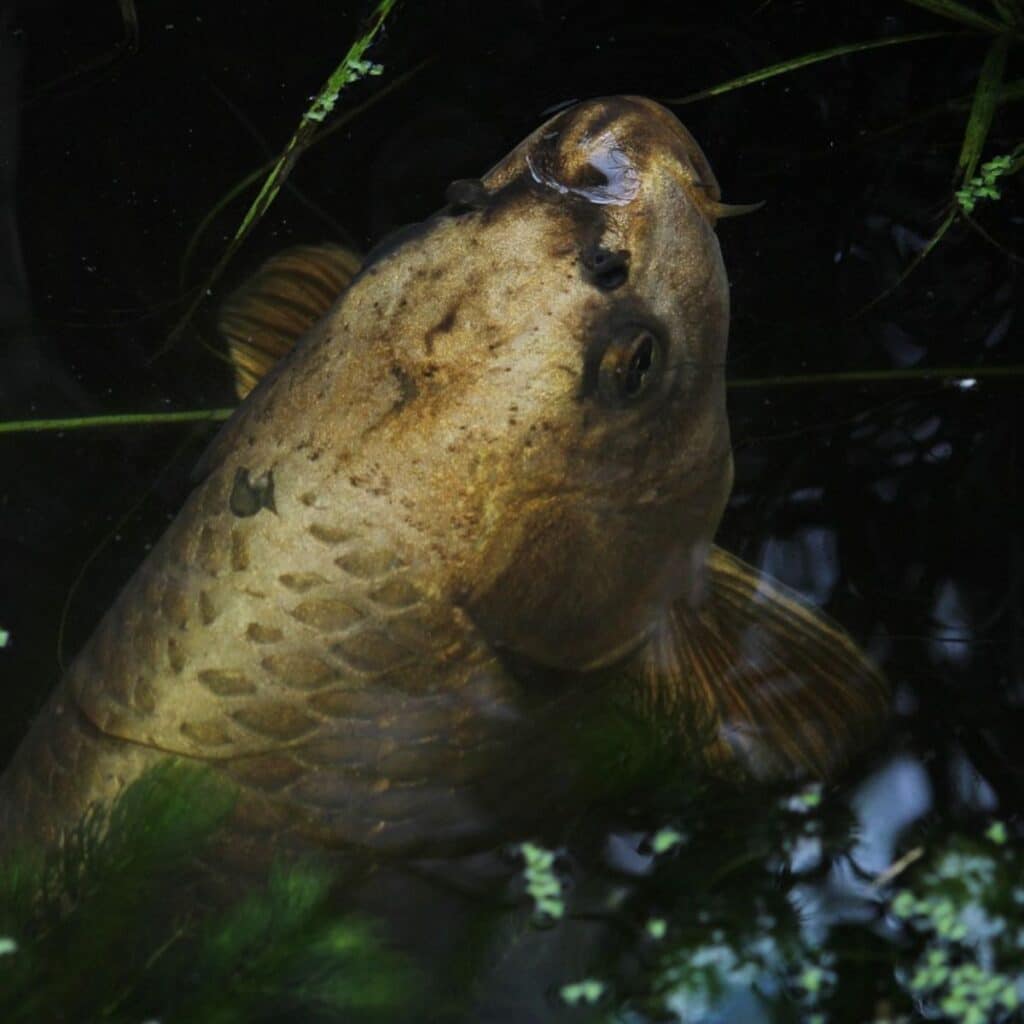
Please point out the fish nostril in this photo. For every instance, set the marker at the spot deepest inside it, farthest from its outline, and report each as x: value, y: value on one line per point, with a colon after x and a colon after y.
x: 605, y: 268
x: 465, y: 196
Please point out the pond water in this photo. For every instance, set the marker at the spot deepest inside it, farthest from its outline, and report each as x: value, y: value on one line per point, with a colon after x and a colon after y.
x: 876, y: 428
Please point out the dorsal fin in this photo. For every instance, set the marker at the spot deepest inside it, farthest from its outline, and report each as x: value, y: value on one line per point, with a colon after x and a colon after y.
x: 263, y: 320
x: 787, y: 691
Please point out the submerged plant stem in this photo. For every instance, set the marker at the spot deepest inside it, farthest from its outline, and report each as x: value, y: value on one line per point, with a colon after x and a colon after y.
x: 125, y: 419
x: 781, y: 381
x: 879, y: 376
x: 946, y: 224
x: 250, y: 179
x: 155, y: 419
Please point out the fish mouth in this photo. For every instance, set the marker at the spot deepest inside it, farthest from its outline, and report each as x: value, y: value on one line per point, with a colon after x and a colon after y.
x: 601, y: 150
x: 616, y: 178
x: 604, y: 150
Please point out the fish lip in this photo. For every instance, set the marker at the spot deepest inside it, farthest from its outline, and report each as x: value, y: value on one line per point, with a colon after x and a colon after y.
x: 622, y: 182
x: 627, y: 138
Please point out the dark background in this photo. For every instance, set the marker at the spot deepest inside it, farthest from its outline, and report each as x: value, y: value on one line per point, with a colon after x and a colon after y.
x: 894, y: 503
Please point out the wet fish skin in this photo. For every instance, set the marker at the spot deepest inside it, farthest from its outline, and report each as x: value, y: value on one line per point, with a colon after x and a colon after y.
x: 505, y: 444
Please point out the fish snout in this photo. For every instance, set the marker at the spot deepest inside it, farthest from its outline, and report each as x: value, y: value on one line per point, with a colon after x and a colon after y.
x: 611, y: 151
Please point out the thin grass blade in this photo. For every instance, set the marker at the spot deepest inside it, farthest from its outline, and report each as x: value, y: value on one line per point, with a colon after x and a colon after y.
x: 250, y: 179
x: 913, y: 264
x: 961, y: 13
x: 1006, y: 9
x: 986, y: 99
x: 352, y: 67
x: 786, y: 66
x: 130, y: 419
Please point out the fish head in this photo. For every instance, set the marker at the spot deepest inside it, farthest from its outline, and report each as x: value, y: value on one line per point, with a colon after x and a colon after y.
x: 526, y: 391
x: 602, y: 489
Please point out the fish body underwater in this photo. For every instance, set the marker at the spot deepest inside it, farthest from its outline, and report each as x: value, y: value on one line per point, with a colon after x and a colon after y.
x: 487, y: 477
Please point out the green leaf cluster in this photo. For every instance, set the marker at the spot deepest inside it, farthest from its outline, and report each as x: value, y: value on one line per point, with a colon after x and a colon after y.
x: 112, y: 925
x: 1004, y: 27
x: 983, y: 185
x: 542, y: 884
x: 967, y: 904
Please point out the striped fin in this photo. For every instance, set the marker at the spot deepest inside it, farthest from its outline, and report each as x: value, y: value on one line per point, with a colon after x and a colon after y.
x: 788, y: 692
x: 263, y: 320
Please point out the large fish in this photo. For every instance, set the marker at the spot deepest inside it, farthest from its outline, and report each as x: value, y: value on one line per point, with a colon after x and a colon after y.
x: 478, y: 495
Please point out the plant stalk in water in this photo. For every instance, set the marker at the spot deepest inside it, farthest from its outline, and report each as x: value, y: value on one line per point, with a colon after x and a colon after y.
x: 352, y: 68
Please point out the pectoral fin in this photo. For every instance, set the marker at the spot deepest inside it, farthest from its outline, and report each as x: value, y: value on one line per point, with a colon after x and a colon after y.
x: 263, y: 320
x: 785, y: 690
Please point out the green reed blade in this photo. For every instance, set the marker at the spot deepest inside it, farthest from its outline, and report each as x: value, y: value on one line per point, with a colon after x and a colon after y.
x: 131, y: 419
x: 959, y: 12
x: 219, y: 415
x: 1008, y: 10
x: 913, y: 264
x: 986, y: 98
x: 879, y: 376
x: 250, y: 179
x: 352, y: 67
x: 784, y: 67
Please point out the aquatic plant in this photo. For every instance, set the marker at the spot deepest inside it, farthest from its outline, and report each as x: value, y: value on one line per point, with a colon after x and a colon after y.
x: 983, y: 185
x: 693, y: 936
x: 101, y: 930
x: 587, y: 992
x: 542, y: 884
x: 967, y: 905
x: 1004, y: 30
x: 790, y: 930
x: 352, y: 67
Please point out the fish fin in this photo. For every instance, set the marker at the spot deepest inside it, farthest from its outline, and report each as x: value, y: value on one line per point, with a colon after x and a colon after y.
x: 263, y: 319
x: 786, y: 691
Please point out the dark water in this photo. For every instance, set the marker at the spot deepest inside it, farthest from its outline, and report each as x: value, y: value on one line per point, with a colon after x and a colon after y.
x: 894, y: 503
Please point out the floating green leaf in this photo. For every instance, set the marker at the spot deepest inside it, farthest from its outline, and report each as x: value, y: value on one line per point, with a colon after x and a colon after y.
x: 542, y: 883
x: 983, y: 185
x: 583, y: 993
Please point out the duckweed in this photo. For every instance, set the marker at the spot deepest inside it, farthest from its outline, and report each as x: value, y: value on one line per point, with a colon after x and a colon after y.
x: 583, y: 993
x: 996, y: 833
x: 983, y: 185
x: 666, y: 838
x: 542, y: 883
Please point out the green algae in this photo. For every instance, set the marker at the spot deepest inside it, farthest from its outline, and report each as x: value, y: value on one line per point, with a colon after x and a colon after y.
x: 101, y: 928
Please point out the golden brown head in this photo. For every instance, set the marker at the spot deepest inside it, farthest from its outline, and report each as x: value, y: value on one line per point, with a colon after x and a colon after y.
x: 526, y: 391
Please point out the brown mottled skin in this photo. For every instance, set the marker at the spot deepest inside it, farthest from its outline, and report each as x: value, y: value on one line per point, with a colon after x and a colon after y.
x: 438, y: 485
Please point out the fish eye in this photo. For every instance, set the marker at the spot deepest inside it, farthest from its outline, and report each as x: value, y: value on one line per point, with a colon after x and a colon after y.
x: 604, y: 268
x: 630, y: 366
